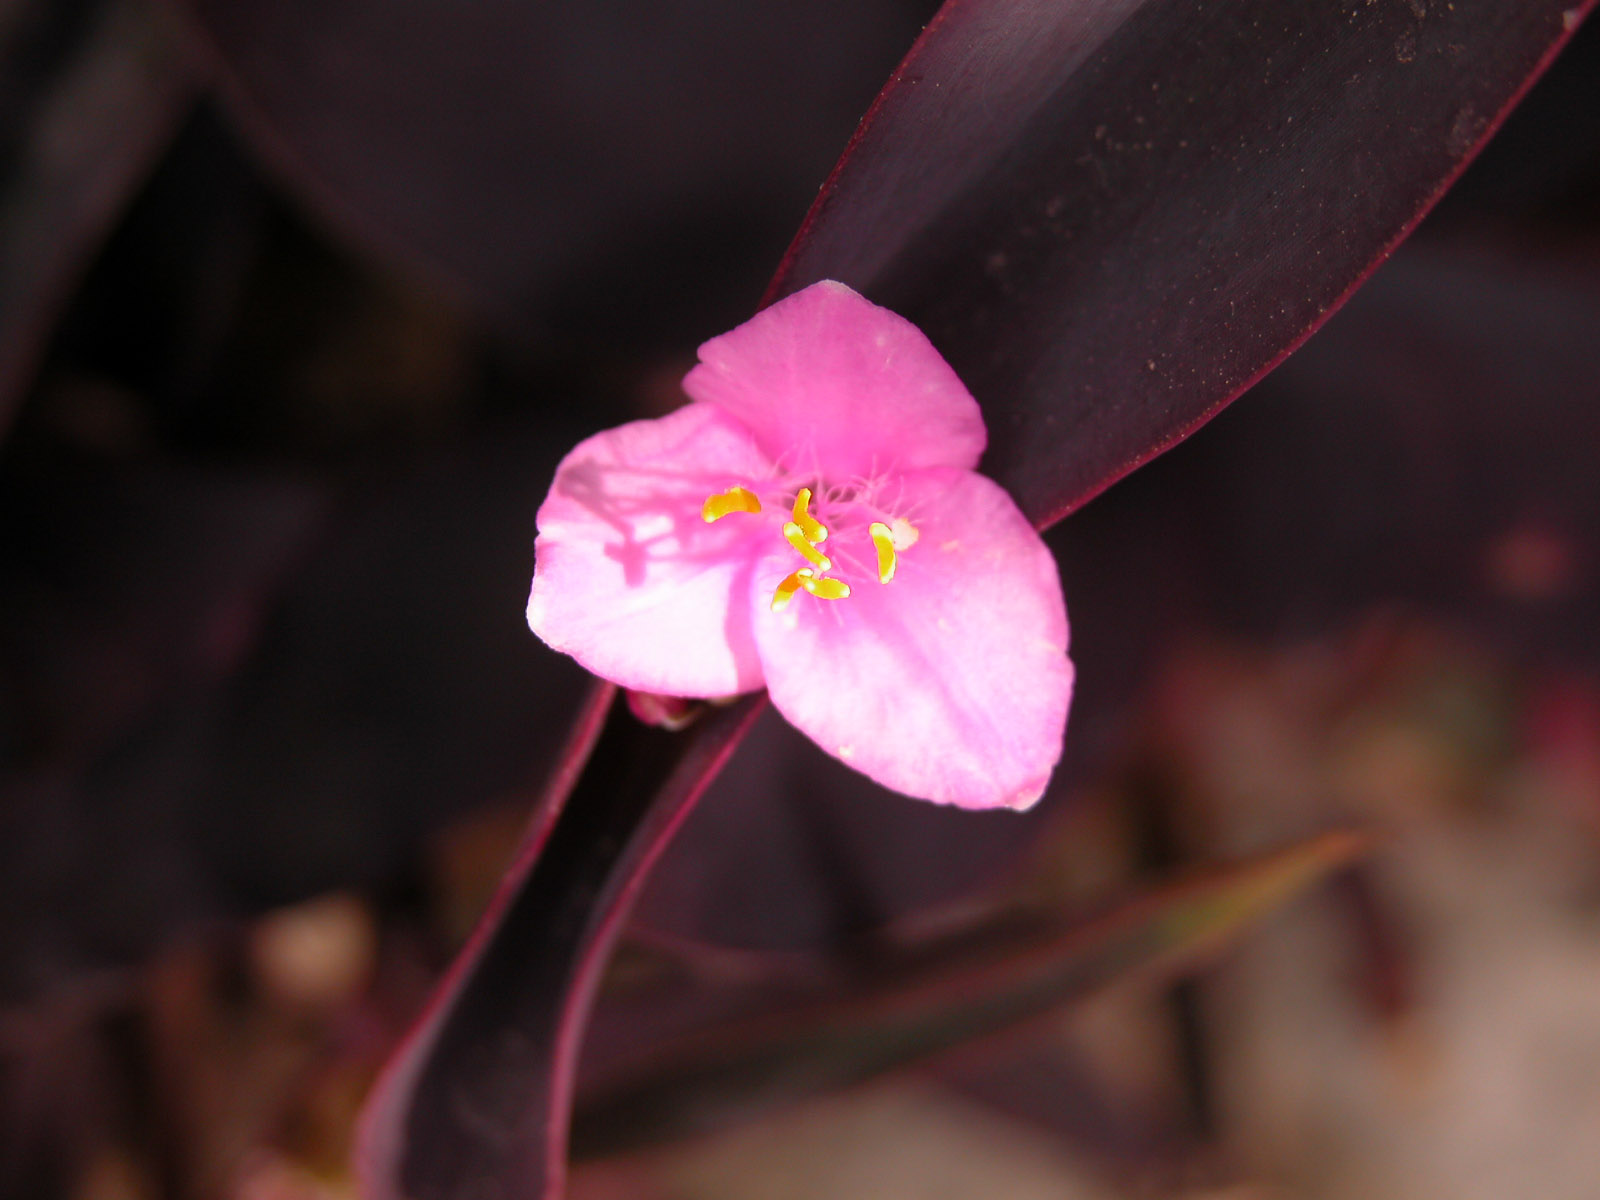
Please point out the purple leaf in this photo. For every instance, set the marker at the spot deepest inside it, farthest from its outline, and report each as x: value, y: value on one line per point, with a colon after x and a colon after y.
x: 94, y: 135
x: 1422, y: 449
x: 792, y: 850
x: 1113, y: 218
x: 482, y: 1087
x: 1110, y: 230
x: 132, y: 593
x: 599, y: 167
x: 738, y: 1070
x: 226, y: 689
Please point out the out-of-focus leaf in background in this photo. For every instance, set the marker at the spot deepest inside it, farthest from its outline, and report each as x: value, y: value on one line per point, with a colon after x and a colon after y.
x: 614, y: 170
x: 1026, y: 86
x: 934, y: 1003
x: 1110, y: 237
x: 93, y: 94
x: 269, y: 499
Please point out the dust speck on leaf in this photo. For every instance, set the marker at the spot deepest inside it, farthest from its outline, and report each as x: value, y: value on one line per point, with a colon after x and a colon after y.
x: 1465, y: 130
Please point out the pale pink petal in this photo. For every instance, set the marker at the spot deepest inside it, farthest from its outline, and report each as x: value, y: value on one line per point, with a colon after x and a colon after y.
x: 831, y: 383
x: 629, y: 579
x: 949, y: 683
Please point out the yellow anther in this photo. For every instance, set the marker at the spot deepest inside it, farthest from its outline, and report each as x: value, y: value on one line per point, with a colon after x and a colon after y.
x: 735, y: 499
x: 785, y: 591
x: 811, y: 554
x: 815, y: 531
x: 883, y: 539
x: 823, y: 589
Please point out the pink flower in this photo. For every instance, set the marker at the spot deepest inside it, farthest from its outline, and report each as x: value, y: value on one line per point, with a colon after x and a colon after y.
x: 813, y: 523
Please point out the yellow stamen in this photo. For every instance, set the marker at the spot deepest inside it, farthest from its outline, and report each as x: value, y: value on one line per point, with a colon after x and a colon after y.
x: 785, y: 591
x: 811, y: 554
x: 883, y: 539
x: 735, y: 499
x: 823, y: 589
x: 815, y: 532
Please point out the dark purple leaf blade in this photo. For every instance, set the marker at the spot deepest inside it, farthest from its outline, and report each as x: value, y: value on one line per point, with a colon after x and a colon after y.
x: 911, y: 206
x: 740, y: 1070
x: 591, y: 168
x: 481, y: 1089
x: 226, y: 689
x: 1072, y: 254
x: 1428, y: 449
x: 792, y: 850
x: 92, y: 139
x: 1102, y: 298
x: 1114, y: 218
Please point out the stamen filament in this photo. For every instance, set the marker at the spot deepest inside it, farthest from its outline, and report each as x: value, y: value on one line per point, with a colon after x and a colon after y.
x: 735, y: 499
x: 815, y: 531
x: 815, y: 557
x: 883, y: 539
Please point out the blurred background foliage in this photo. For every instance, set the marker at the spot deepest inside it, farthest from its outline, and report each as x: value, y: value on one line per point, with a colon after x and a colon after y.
x: 285, y: 370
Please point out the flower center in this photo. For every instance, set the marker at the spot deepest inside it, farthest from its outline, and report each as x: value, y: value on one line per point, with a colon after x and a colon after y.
x: 805, y: 533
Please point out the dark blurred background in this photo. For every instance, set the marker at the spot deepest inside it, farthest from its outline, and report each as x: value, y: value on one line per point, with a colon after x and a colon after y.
x: 299, y: 306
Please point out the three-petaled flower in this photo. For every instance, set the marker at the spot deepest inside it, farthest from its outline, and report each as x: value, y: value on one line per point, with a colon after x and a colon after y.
x: 813, y: 523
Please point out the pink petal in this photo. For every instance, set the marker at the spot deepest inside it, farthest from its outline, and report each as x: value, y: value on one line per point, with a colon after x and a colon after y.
x: 950, y: 682
x: 831, y: 383
x: 629, y: 579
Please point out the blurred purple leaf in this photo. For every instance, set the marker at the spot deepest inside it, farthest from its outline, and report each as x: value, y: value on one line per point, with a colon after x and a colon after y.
x: 1419, y: 450
x: 790, y: 849
x: 1112, y: 218
x: 480, y: 1092
x: 610, y: 168
x: 86, y: 143
x: 126, y: 584
x: 909, y: 1011
x: 397, y: 686
x: 130, y: 594
x: 1006, y: 210
x: 222, y: 690
x: 1111, y: 230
